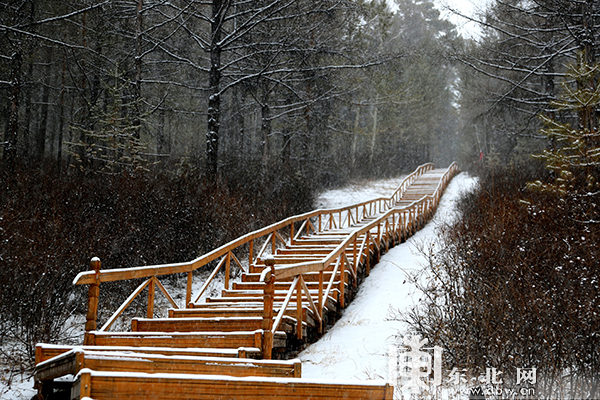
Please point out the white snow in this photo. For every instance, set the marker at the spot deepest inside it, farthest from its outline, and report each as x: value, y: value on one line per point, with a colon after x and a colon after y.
x: 357, y: 346
x: 357, y: 193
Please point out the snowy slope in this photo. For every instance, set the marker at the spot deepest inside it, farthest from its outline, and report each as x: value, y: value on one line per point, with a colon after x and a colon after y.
x: 357, y: 346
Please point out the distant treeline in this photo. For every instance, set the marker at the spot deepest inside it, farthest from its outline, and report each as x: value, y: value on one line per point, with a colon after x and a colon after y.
x: 327, y: 89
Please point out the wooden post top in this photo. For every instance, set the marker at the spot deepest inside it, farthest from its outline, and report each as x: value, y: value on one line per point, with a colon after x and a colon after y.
x: 95, y: 264
x: 270, y: 261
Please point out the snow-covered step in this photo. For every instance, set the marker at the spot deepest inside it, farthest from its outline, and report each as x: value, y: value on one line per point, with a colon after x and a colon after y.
x: 141, y: 386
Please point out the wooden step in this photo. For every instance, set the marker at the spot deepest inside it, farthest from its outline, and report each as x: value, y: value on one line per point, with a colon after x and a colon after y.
x: 279, y: 285
x: 45, y: 351
x: 73, y: 361
x: 225, y: 340
x: 221, y: 323
x: 330, y: 302
x: 207, y: 310
x: 308, y: 277
x: 134, y: 386
x: 302, y: 250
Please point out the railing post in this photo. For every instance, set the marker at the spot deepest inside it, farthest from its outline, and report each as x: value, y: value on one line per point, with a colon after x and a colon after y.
x: 227, y: 270
x: 151, y: 291
x: 267, y: 322
x: 188, y: 290
x: 321, y: 300
x: 354, y: 260
x: 93, y: 294
x: 368, y: 252
x: 343, y: 280
x: 299, y: 318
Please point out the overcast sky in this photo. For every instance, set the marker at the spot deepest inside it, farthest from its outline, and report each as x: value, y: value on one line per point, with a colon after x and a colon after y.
x: 467, y: 7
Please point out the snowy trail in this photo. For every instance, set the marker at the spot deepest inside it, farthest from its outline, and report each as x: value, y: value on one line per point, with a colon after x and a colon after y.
x: 356, y: 347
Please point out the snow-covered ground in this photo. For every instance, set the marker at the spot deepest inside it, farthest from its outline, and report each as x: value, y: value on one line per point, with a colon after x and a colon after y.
x: 356, y: 348
x: 358, y: 192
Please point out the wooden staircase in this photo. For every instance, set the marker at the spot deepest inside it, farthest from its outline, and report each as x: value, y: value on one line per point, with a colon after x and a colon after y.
x: 306, y: 271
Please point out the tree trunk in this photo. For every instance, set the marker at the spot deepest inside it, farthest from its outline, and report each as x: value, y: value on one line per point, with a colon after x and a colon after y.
x: 355, y: 138
x: 286, y: 151
x: 589, y: 117
x: 214, y: 95
x: 10, y: 150
x: 61, y: 113
x: 265, y: 129
x: 374, y: 136
x: 40, y: 136
x: 138, y: 70
x: 163, y: 141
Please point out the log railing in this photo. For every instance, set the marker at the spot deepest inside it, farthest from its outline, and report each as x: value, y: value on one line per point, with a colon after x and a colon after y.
x: 224, y: 256
x: 390, y: 227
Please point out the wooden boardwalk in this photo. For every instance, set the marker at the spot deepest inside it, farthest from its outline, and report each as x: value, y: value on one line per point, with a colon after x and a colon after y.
x: 298, y: 275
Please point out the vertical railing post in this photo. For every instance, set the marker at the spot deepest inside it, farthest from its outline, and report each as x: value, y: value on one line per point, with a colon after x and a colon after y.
x: 151, y: 291
x: 368, y: 252
x: 354, y: 259
x: 321, y: 300
x: 343, y: 280
x: 227, y: 269
x: 292, y: 234
x: 267, y: 322
x: 299, y: 318
x: 93, y: 294
x: 188, y: 290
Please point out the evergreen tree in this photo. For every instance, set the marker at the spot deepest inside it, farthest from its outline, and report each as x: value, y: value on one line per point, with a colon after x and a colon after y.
x: 573, y: 157
x: 113, y: 143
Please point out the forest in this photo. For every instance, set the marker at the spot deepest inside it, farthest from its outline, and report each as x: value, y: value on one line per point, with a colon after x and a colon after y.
x: 140, y: 131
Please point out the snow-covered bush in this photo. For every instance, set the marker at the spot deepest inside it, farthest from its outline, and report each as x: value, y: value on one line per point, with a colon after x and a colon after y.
x: 516, y: 285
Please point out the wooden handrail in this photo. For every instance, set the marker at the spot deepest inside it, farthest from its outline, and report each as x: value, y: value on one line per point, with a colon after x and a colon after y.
x: 111, y: 275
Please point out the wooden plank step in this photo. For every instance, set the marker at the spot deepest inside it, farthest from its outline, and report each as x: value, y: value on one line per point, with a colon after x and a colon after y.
x: 279, y: 285
x: 259, y: 293
x: 258, y: 269
x: 134, y: 386
x: 73, y: 361
x: 226, y: 340
x: 45, y: 351
x: 330, y: 304
x: 221, y: 323
x: 207, y: 310
x: 244, y: 297
x: 281, y: 260
x: 308, y: 277
x: 301, y: 250
x: 318, y: 241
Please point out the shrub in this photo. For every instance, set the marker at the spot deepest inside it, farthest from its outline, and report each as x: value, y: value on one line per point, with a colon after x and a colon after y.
x: 52, y: 222
x: 516, y: 284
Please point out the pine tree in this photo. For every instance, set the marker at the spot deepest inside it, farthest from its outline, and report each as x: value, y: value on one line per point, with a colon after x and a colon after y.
x: 573, y: 157
x: 113, y: 143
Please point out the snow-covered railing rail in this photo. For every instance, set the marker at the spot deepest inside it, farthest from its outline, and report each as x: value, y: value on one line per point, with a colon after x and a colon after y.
x: 393, y: 225
x: 280, y: 232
